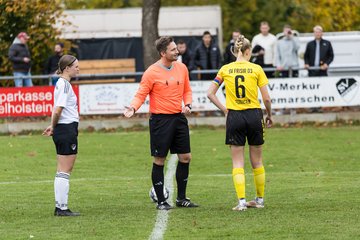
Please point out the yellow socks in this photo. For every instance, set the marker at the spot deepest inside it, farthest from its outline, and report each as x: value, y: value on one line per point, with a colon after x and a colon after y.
x: 239, y: 182
x: 259, y: 179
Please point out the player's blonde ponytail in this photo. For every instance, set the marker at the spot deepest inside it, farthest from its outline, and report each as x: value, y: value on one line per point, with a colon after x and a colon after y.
x: 240, y: 46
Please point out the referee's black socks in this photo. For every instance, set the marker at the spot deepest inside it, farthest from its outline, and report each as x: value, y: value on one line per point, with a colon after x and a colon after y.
x: 157, y: 177
x: 182, y: 173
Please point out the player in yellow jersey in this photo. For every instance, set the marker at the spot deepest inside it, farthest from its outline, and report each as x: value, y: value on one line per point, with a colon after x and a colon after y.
x: 244, y: 118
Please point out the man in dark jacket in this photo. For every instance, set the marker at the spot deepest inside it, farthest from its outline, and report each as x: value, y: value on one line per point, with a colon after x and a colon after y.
x: 228, y: 55
x: 19, y: 55
x: 318, y: 53
x: 185, y: 55
x: 52, y: 62
x: 207, y: 56
x: 257, y: 55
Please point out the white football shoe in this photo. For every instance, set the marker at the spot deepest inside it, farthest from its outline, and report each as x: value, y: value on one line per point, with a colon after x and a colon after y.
x: 241, y: 206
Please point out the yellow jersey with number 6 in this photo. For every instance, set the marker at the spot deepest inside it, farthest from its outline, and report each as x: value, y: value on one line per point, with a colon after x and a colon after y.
x: 241, y: 79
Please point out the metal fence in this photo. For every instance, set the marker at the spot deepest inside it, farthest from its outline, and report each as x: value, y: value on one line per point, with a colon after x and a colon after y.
x: 47, y: 79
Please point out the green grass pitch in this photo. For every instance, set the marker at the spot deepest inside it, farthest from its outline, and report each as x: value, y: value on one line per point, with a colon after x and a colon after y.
x: 312, y: 188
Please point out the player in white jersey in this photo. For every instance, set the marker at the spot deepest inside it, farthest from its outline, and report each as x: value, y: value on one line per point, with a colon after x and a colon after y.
x: 64, y: 131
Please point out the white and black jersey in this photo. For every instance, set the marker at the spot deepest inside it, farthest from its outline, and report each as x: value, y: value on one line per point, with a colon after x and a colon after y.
x: 64, y: 96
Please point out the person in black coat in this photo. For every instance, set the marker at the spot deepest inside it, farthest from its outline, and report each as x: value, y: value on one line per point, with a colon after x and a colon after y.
x: 52, y: 62
x: 207, y: 56
x: 185, y: 55
x: 322, y: 58
x: 19, y: 55
x: 257, y: 55
x: 228, y: 55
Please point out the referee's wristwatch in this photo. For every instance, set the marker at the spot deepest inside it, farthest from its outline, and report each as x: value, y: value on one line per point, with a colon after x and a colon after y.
x: 188, y: 105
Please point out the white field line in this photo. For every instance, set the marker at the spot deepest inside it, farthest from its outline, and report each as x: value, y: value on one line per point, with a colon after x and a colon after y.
x: 142, y: 178
x: 73, y: 180
x: 162, y: 216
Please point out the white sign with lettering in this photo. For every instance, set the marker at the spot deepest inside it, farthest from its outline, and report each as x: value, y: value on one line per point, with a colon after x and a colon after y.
x: 314, y: 92
x: 108, y: 98
x: 284, y: 93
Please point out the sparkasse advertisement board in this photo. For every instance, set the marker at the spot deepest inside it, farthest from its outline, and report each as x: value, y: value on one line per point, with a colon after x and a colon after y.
x: 27, y: 101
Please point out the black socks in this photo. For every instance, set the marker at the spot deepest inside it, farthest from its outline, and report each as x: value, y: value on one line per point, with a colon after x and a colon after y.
x: 157, y: 177
x: 182, y: 173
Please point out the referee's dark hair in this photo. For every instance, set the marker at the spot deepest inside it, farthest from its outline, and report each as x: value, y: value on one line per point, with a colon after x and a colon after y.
x: 162, y: 43
x: 65, y: 61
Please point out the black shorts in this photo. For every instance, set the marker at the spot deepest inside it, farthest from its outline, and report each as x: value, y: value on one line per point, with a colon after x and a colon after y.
x: 169, y: 131
x: 65, y: 138
x: 245, y: 124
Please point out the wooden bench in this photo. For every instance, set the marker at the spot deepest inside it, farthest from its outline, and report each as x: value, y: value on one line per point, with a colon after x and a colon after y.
x: 106, y: 66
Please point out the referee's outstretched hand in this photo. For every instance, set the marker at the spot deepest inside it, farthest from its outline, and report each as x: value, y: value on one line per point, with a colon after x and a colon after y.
x: 48, y: 131
x: 129, y: 112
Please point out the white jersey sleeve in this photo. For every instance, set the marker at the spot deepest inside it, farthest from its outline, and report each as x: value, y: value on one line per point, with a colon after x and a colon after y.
x: 62, y: 92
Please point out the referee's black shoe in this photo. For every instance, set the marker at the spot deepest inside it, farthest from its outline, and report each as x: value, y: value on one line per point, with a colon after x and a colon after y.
x: 185, y: 203
x: 65, y: 213
x: 163, y: 206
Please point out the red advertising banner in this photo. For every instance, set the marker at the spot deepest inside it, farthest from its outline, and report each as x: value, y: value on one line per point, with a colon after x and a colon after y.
x: 28, y: 101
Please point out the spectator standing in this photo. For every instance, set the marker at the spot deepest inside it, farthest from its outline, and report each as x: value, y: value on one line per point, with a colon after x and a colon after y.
x: 267, y: 43
x: 185, y: 55
x: 19, y: 55
x: 207, y: 56
x: 287, y: 52
x: 53, y: 61
x: 257, y: 55
x: 228, y: 55
x: 318, y: 53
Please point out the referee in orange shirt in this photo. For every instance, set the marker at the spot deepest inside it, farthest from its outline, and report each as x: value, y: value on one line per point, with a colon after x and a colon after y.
x: 167, y: 83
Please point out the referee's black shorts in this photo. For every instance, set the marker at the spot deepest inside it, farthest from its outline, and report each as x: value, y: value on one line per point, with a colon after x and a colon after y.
x: 169, y: 131
x: 245, y: 124
x: 65, y: 138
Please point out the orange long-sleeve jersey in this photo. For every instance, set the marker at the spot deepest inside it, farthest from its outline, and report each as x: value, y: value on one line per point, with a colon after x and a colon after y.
x: 167, y: 88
